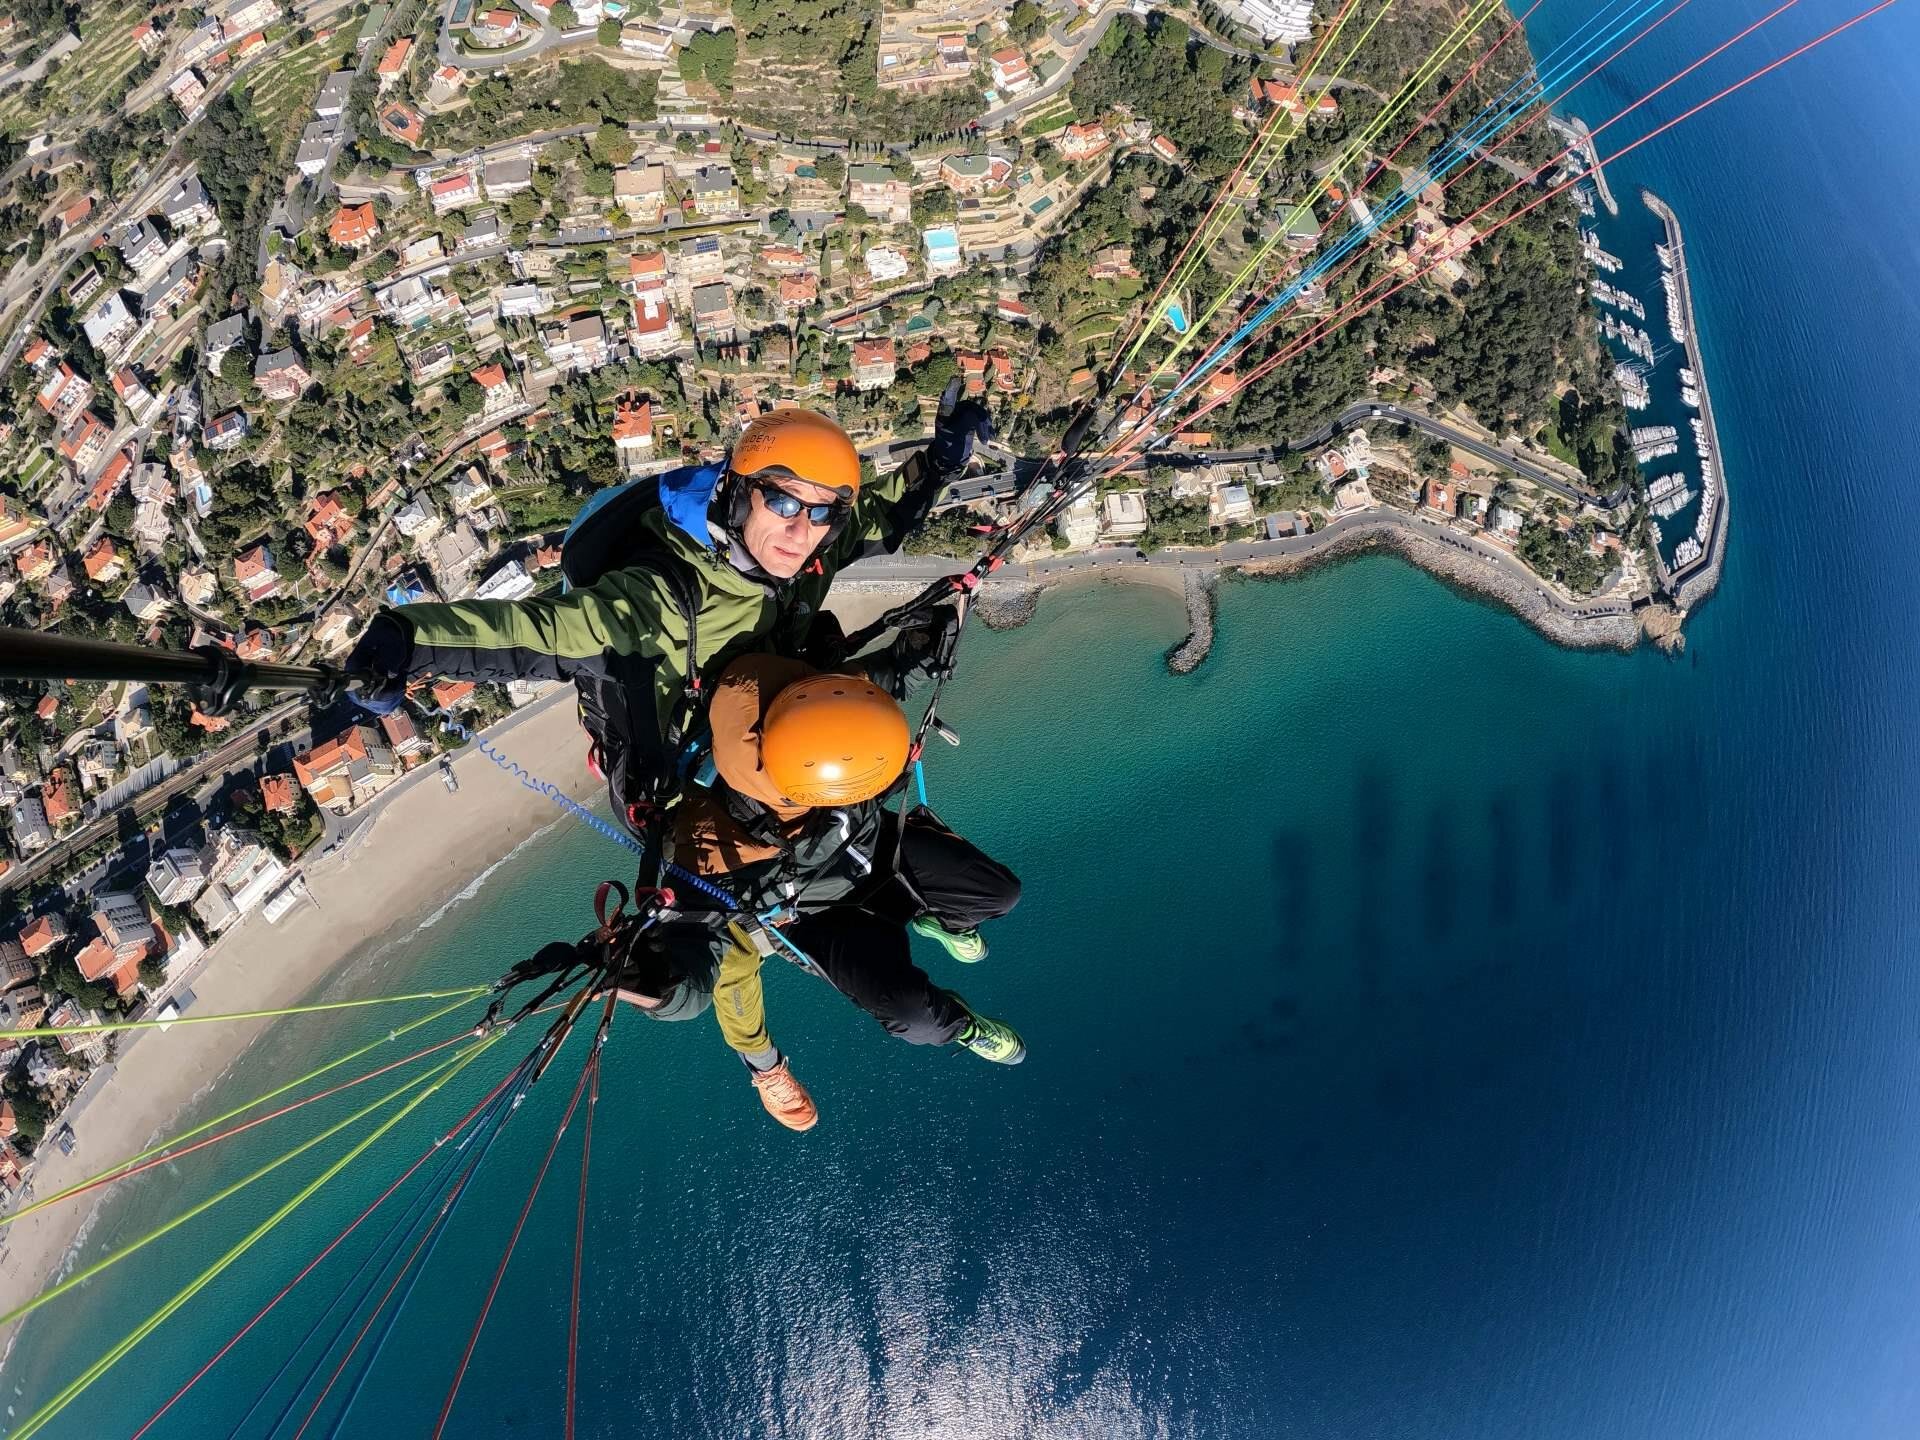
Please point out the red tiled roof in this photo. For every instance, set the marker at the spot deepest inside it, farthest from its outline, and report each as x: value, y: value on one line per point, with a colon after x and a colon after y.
x: 42, y: 934
x: 321, y: 759
x: 487, y: 377
x: 873, y: 352
x: 395, y: 60
x: 276, y: 792
x: 448, y: 693
x: 352, y: 224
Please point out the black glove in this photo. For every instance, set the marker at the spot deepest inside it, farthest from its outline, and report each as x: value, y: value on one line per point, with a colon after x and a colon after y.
x: 381, y: 663
x: 959, y: 424
x: 926, y: 649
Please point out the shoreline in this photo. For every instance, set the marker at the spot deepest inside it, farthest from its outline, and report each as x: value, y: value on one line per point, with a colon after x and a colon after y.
x: 1011, y: 596
x: 363, y: 894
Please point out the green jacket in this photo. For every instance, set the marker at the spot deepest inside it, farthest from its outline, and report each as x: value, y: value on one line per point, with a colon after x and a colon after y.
x: 628, y: 626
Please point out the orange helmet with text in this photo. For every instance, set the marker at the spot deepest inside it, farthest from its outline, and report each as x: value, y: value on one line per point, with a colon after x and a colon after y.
x: 833, y: 740
x: 803, y: 444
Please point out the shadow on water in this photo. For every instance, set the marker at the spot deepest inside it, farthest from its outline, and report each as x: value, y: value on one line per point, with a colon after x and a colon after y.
x: 1439, y: 878
x: 1564, y: 822
x: 1373, y: 850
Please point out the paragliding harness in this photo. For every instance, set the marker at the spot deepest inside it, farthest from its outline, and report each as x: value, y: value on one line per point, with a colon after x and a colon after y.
x: 641, y: 762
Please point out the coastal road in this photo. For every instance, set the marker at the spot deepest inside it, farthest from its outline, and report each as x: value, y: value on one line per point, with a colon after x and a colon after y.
x: 910, y: 568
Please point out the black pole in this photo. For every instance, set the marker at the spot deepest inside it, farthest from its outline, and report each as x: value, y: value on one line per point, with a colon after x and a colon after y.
x: 34, y: 655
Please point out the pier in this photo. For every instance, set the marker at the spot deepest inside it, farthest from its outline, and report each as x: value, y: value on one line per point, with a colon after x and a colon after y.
x: 1574, y: 131
x: 1693, y: 581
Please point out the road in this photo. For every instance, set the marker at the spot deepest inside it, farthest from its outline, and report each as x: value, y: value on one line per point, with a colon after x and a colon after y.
x: 242, y: 744
x: 550, y: 35
x: 1440, y: 430
x: 888, y: 568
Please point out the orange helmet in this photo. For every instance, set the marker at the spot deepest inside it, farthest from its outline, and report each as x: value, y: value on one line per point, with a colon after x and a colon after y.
x: 833, y: 740
x: 803, y: 444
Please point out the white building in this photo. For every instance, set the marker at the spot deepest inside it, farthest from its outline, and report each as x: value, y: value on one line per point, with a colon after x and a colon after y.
x: 1079, y: 526
x: 509, y: 582
x: 176, y: 876
x: 884, y: 263
x: 1123, y: 514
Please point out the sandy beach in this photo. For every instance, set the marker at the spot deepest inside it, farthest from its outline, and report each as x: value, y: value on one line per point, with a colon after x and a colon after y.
x: 421, y: 845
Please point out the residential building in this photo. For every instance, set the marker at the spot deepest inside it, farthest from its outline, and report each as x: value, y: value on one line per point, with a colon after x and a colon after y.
x: 1083, y: 141
x: 469, y: 491
x: 410, y: 302
x: 632, y: 432
x: 140, y: 245
x: 332, y: 99
x: 641, y: 191
x: 886, y: 264
x: 976, y: 174
x: 496, y: 388
x: 247, y: 17
x: 224, y: 335
x: 456, y: 553
x: 519, y: 302
x: 110, y: 323
x: 1230, y: 505
x: 506, y: 176
x: 316, y: 144
x: 881, y: 193
x: 873, y: 363
x: 429, y: 364
x: 253, y: 571
x: 393, y: 65
x: 452, y: 191
x: 578, y: 344
x: 63, y: 394
x: 168, y: 286
x: 226, y: 431
x: 699, y: 260
x: 186, y: 207
x: 327, y: 522
x: 649, y: 42
x: 1011, y: 74
x: 354, y: 227
x: 715, y: 191
x: 31, y: 831
x: 1441, y: 496
x: 189, y: 92
x: 99, y: 965
x: 509, y: 582
x: 495, y: 28
x: 280, y: 375
x: 241, y: 873
x: 87, y: 1044
x: 943, y: 250
x: 136, y: 397
x: 1079, y: 524
x: 123, y: 923
x: 403, y: 738
x: 713, y: 317
x: 445, y: 86
x: 85, y: 441
x: 348, y: 770
x: 1123, y: 514
x: 278, y: 794
x: 101, y: 561
x: 1284, y: 22
x: 145, y: 602
x: 485, y: 231
x: 16, y: 968
x: 654, y: 331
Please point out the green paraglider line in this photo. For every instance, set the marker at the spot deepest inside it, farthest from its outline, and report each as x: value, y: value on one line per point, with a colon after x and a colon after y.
x: 438, y: 1078
x: 164, y: 1151
x: 80, y: 1277
x: 465, y: 992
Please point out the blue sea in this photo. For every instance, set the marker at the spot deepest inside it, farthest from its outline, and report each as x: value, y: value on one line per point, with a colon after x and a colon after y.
x: 1433, y: 1033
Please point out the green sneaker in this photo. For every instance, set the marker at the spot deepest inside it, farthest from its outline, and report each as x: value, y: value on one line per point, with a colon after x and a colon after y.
x: 993, y: 1040
x: 966, y: 946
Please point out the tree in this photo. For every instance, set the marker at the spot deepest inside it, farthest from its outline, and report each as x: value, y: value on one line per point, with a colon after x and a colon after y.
x: 608, y: 34
x: 236, y: 369
x: 1027, y: 21
x: 611, y: 145
x: 565, y: 16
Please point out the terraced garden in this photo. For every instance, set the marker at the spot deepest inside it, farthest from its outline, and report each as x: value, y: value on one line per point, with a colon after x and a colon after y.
x: 107, y: 51
x: 283, y: 92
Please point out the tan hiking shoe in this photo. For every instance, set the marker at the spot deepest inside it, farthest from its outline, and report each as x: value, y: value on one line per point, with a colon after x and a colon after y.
x: 786, y: 1098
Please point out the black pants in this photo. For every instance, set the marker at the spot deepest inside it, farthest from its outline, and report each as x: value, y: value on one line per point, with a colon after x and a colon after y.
x: 862, y: 947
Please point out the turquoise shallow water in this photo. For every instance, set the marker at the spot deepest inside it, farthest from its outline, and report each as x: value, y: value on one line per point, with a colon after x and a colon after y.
x: 1434, y: 1033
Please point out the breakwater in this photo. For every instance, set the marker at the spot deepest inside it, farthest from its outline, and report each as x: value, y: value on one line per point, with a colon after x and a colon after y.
x: 1693, y: 582
x: 1197, y: 589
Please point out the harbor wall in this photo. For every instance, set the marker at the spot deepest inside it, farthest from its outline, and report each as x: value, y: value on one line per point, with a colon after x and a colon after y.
x: 1693, y: 583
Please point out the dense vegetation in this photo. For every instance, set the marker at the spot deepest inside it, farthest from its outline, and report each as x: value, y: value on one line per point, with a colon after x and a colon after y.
x: 1159, y: 71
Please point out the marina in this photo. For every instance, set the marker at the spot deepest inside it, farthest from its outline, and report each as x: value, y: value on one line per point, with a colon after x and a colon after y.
x: 1573, y: 130
x: 1598, y: 256
x: 1631, y: 338
x: 1619, y: 299
x: 1633, y: 386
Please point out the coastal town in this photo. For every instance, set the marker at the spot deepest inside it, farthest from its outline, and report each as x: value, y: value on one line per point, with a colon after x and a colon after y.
x: 310, y: 309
